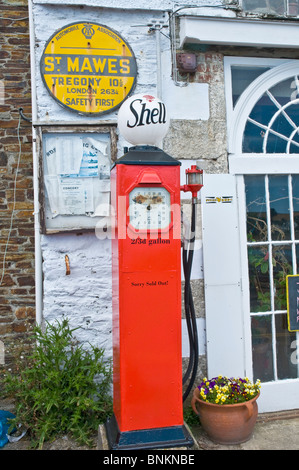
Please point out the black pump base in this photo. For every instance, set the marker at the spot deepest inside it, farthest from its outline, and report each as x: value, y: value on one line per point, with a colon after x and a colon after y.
x: 156, y: 438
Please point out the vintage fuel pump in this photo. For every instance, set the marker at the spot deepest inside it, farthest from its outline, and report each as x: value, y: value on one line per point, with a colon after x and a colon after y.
x: 146, y: 285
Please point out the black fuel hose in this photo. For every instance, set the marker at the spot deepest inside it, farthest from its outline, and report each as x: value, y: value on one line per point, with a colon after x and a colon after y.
x: 188, y: 251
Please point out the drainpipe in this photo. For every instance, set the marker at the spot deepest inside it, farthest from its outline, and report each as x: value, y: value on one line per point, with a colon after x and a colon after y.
x: 159, y: 68
x: 37, y: 235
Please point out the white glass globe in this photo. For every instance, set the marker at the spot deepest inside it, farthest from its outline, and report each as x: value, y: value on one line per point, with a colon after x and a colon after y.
x: 143, y: 120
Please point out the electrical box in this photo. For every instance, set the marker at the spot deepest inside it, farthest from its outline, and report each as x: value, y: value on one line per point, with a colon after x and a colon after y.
x: 186, y: 62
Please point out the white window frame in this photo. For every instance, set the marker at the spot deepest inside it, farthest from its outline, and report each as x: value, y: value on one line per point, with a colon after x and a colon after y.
x: 241, y: 164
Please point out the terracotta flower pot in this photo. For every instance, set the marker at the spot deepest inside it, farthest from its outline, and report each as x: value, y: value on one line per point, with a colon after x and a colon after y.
x: 226, y: 424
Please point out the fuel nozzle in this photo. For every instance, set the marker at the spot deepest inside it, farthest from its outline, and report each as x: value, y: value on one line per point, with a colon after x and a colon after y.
x: 194, y: 181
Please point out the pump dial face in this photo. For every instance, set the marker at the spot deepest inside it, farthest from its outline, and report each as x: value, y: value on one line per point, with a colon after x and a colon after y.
x: 149, y: 208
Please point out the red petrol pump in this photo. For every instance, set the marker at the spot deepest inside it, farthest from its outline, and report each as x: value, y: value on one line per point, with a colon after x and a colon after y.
x: 146, y: 285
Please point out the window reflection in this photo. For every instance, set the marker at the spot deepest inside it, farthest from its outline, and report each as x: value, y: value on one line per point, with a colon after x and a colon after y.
x: 273, y: 124
x: 265, y: 6
x: 279, y: 208
x: 285, y: 368
x: 259, y: 281
x: 282, y: 267
x: 257, y: 229
x: 262, y: 355
x: 295, y: 187
x: 242, y: 76
x: 269, y: 262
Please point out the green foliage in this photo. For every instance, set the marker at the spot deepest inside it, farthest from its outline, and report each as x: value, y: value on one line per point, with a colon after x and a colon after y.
x: 190, y: 417
x: 61, y: 388
x: 260, y: 277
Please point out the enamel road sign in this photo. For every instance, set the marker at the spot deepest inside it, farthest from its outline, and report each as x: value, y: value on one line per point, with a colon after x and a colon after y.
x: 88, y: 68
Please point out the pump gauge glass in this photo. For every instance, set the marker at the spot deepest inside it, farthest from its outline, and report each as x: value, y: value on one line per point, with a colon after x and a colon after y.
x: 149, y: 208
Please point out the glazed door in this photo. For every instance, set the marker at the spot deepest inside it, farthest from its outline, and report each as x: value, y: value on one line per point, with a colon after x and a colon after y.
x: 271, y: 226
x: 263, y: 130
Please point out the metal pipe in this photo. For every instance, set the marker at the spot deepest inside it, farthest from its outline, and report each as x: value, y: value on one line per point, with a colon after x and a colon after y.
x: 159, y: 68
x: 37, y: 236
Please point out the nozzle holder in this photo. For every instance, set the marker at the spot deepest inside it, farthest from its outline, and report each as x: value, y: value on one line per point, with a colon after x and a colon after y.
x: 194, y: 181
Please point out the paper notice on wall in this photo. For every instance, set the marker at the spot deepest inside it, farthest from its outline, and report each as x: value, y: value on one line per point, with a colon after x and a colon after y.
x: 101, y: 199
x: 77, y: 196
x: 52, y: 188
x: 77, y: 174
x: 69, y: 151
x: 72, y: 200
x: 50, y: 156
x: 95, y: 161
x: 102, y: 206
x: 88, y: 196
x: 89, y: 164
x: 98, y: 145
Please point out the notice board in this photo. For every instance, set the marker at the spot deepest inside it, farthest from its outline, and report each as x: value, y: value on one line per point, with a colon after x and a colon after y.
x: 293, y: 302
x: 76, y: 180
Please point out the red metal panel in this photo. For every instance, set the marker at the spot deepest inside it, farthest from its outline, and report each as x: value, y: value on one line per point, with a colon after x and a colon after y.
x: 146, y: 311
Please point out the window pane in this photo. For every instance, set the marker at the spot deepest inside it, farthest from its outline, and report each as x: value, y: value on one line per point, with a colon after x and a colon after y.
x: 265, y: 6
x: 258, y: 261
x: 279, y: 208
x: 282, y: 266
x: 273, y: 124
x: 297, y: 257
x: 285, y: 368
x: 242, y: 76
x: 263, y: 110
x: 252, y: 138
x: 276, y: 143
x: 294, y: 144
x: 295, y: 186
x: 255, y: 130
x: 262, y: 356
x: 282, y: 91
x: 256, y: 208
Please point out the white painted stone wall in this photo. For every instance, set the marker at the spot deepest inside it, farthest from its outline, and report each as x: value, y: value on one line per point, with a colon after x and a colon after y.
x: 84, y: 296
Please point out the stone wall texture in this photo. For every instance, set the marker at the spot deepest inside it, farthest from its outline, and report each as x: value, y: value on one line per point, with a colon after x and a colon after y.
x: 17, y: 296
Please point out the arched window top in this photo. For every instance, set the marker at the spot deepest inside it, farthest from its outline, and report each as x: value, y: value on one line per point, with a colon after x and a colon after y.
x: 265, y: 118
x: 273, y: 124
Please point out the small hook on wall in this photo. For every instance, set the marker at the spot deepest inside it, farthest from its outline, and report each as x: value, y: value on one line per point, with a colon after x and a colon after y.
x: 67, y: 264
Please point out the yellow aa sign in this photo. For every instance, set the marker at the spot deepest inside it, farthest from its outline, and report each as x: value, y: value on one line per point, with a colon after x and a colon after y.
x: 88, y: 68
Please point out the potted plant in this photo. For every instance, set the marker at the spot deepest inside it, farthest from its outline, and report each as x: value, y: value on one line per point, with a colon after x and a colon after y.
x: 227, y: 408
